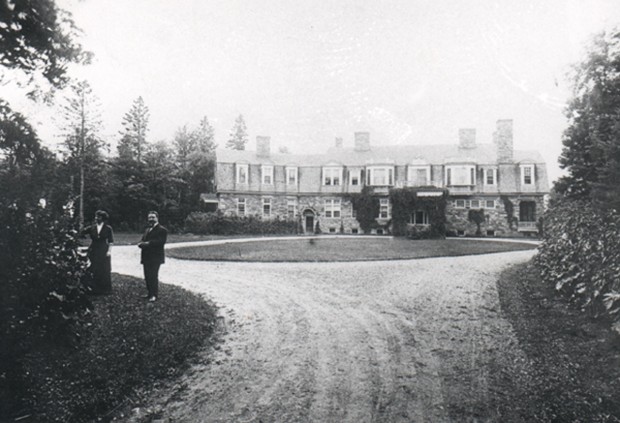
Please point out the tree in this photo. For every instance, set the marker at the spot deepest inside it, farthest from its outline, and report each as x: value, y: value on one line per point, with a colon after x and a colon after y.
x: 38, y: 38
x: 195, y: 159
x: 133, y: 137
x: 591, y: 152
x: 83, y: 143
x: 238, y: 135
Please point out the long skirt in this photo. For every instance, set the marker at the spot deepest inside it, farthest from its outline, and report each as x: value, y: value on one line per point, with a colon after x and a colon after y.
x: 101, y: 269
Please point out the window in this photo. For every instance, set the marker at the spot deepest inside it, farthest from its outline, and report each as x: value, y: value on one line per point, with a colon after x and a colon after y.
x: 242, y: 174
x: 332, y: 175
x: 489, y: 204
x: 384, y: 208
x: 267, y: 175
x: 355, y: 177
x: 459, y: 204
x: 291, y: 207
x: 461, y: 175
x: 291, y: 176
x: 332, y: 208
x: 475, y: 204
x: 490, y: 176
x: 419, y: 175
x: 381, y: 176
x: 241, y: 206
x: 419, y: 217
x: 527, y: 174
x: 266, y: 207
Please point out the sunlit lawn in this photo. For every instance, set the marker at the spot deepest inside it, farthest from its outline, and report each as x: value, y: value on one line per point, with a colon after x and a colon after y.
x: 344, y: 249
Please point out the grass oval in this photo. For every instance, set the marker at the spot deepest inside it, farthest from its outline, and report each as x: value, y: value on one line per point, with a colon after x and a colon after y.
x: 343, y: 249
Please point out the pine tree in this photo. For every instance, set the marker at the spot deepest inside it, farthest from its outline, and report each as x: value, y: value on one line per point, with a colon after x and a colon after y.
x: 83, y: 144
x: 238, y: 135
x: 135, y: 126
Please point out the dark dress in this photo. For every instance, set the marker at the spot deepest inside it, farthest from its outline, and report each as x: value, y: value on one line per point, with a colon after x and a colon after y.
x: 100, y: 263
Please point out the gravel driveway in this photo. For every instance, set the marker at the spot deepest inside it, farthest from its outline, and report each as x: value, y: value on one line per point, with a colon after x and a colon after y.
x: 393, y: 341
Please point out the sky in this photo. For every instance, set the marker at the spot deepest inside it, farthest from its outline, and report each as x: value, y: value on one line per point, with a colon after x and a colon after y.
x: 306, y: 72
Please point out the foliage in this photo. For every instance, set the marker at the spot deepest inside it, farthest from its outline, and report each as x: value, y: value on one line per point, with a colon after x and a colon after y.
x: 37, y: 37
x: 509, y: 207
x: 84, y: 165
x: 406, y: 200
x: 127, y: 345
x: 591, y: 152
x: 238, y: 135
x: 219, y: 224
x: 132, y: 144
x: 477, y: 217
x: 41, y: 274
x: 366, y: 206
x: 580, y: 255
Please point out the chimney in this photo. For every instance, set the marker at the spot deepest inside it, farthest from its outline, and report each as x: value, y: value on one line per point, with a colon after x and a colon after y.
x: 263, y: 147
x: 362, y: 141
x: 502, y: 137
x: 467, y: 138
x: 339, y: 142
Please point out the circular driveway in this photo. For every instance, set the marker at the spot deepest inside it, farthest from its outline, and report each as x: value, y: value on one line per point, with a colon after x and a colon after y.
x: 389, y: 341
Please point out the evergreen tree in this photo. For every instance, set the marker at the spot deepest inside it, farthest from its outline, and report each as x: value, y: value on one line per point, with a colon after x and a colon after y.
x: 238, y: 135
x: 83, y: 143
x: 591, y: 152
x: 135, y: 126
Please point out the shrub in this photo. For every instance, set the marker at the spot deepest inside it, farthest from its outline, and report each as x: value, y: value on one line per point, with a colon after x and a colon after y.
x: 42, y: 301
x: 219, y: 224
x: 580, y: 255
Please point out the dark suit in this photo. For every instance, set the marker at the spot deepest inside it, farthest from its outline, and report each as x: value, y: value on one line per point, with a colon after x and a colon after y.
x: 152, y: 256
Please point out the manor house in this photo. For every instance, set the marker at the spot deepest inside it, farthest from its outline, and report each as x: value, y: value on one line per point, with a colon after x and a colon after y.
x: 507, y: 185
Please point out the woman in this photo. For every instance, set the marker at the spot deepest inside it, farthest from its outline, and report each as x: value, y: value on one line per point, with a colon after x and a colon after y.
x: 102, y: 237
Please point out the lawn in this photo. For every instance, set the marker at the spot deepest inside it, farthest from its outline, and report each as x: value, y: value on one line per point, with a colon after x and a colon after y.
x: 573, y: 360
x: 126, y: 346
x: 344, y: 249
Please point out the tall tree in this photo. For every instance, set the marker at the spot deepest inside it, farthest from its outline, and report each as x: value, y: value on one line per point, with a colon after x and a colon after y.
x: 238, y: 135
x: 205, y: 137
x: 83, y: 143
x: 591, y: 152
x: 135, y: 126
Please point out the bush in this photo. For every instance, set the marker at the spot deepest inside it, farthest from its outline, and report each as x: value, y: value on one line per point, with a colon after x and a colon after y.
x: 416, y: 232
x: 219, y: 224
x: 43, y: 299
x: 580, y: 255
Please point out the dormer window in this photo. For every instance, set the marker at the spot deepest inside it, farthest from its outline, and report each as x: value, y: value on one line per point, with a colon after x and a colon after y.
x: 380, y: 175
x: 527, y: 174
x: 291, y: 175
x: 242, y: 173
x: 460, y: 175
x: 419, y: 175
x: 490, y: 176
x: 267, y: 175
x: 355, y: 177
x: 332, y: 175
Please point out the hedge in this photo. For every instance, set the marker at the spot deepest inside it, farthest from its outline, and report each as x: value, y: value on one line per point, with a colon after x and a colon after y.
x: 219, y: 224
x: 580, y: 255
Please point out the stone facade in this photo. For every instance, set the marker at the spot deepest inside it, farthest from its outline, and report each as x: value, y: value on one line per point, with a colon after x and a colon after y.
x: 314, y: 188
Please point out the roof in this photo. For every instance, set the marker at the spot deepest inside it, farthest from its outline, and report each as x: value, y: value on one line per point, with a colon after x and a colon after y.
x: 395, y: 154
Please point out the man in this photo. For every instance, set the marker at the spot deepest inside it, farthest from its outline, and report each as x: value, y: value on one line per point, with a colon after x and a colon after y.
x: 152, y: 254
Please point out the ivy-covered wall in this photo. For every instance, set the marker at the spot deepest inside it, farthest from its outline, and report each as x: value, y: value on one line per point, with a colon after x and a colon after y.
x: 406, y: 200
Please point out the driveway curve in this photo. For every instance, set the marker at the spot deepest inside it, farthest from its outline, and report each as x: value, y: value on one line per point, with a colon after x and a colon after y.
x: 390, y: 341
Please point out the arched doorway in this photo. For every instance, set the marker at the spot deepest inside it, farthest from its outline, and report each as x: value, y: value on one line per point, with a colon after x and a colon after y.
x: 309, y: 218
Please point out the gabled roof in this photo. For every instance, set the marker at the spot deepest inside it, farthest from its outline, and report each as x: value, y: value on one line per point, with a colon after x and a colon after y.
x: 482, y: 154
